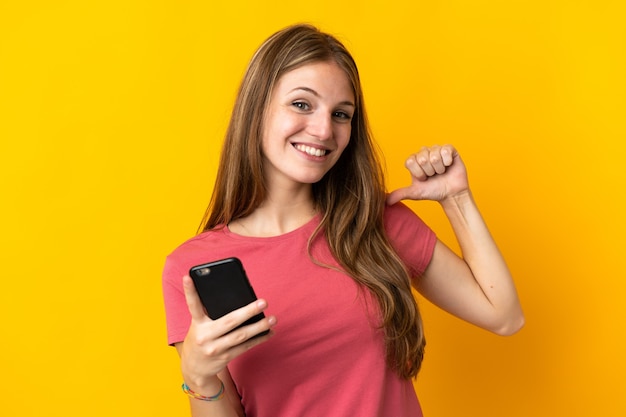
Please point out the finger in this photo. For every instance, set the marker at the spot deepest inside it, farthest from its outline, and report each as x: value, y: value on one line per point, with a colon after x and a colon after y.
x: 448, y: 152
x: 230, y: 343
x: 249, y: 344
x: 193, y: 300
x: 422, y: 160
x: 436, y: 160
x: 259, y: 329
x: 414, y: 165
x: 237, y: 317
x: 396, y: 195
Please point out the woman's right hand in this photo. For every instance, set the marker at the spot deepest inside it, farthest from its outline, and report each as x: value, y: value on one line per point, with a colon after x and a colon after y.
x: 209, y: 347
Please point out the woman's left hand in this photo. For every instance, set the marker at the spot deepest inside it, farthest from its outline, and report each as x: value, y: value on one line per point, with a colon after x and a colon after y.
x: 437, y: 172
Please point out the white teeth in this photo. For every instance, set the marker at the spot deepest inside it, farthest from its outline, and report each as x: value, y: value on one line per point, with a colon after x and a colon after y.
x: 310, y: 150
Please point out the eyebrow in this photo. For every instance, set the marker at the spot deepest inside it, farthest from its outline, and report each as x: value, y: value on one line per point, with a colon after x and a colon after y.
x: 316, y: 94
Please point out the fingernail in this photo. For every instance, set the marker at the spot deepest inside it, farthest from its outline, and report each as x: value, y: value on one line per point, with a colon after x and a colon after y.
x: 261, y: 304
x: 271, y: 320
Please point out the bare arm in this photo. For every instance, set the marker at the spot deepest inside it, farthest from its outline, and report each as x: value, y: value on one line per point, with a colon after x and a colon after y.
x: 477, y: 287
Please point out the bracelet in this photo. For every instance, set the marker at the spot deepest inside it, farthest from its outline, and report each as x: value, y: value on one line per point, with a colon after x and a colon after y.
x: 200, y: 397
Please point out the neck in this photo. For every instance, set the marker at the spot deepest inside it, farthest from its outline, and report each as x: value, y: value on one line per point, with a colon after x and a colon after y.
x: 280, y: 213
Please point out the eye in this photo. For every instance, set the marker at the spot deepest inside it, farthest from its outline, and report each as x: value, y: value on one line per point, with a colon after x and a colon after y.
x: 301, y: 105
x: 342, y: 115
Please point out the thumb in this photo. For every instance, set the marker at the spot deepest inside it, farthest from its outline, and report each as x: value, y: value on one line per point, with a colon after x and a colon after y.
x: 396, y: 195
x: 193, y: 300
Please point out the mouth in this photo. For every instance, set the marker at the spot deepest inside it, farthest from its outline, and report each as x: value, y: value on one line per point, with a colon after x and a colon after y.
x: 309, y: 150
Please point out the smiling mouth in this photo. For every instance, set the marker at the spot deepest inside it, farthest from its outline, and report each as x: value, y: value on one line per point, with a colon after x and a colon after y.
x: 309, y: 150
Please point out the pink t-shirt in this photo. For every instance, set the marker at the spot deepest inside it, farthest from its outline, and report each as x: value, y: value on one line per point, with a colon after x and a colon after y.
x: 327, y: 357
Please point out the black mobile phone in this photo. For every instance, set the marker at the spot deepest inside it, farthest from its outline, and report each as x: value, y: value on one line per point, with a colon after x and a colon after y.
x: 223, y: 287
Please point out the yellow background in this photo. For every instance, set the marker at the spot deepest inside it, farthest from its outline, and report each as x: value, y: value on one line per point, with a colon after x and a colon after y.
x: 111, y: 119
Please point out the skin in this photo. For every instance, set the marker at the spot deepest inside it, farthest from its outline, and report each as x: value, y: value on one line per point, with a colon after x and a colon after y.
x: 311, y: 108
x: 306, y: 130
x: 307, y: 126
x: 478, y: 287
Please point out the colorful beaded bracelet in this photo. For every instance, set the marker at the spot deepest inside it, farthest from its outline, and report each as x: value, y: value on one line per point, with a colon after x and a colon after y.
x: 200, y: 397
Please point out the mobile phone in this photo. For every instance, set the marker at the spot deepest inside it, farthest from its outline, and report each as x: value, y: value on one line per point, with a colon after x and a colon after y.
x: 223, y: 287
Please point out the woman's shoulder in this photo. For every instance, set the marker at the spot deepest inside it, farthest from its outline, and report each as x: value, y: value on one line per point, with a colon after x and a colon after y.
x: 195, y: 250
x: 400, y: 220
x: 201, y: 240
x: 400, y: 214
x: 411, y: 237
x: 399, y: 207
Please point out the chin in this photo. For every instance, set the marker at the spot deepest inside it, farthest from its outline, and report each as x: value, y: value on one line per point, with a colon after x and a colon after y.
x: 309, y: 178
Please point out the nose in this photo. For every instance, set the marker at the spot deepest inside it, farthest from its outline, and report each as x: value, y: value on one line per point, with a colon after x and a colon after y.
x: 321, y: 126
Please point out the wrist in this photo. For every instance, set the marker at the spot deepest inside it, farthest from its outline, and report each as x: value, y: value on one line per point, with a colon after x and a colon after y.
x: 202, y: 397
x: 457, y: 200
x: 203, y: 385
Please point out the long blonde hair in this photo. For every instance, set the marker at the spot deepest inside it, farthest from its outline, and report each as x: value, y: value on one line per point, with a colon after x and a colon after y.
x: 350, y: 197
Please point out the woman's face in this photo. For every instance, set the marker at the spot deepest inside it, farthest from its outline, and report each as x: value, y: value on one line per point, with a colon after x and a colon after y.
x: 307, y: 124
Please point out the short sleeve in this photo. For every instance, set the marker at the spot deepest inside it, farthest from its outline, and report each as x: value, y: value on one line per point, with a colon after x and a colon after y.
x: 177, y: 314
x: 412, y: 239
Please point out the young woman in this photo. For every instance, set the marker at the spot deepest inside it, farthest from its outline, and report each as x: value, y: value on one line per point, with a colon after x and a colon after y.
x: 300, y: 200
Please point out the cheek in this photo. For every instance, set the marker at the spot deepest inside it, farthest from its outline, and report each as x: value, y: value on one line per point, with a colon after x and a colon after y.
x: 343, y: 139
x: 272, y: 132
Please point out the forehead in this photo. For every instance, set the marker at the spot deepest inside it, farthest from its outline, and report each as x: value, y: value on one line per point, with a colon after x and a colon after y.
x: 326, y: 76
